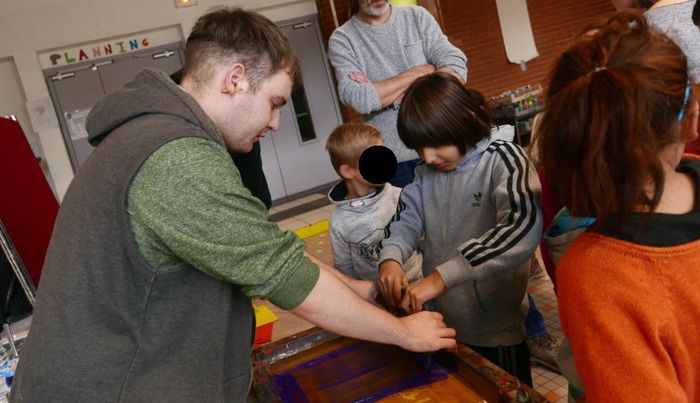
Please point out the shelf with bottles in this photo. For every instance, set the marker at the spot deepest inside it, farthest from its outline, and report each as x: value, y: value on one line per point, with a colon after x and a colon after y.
x: 528, y: 112
x: 518, y: 108
x: 525, y: 105
x: 519, y: 96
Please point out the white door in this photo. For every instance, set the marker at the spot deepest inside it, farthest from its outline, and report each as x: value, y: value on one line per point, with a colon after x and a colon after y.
x: 294, y: 158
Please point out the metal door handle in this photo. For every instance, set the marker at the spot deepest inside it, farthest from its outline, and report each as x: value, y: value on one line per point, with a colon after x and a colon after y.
x: 166, y: 53
x: 304, y: 24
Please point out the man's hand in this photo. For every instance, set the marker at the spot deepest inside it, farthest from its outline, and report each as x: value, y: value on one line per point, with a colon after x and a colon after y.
x: 421, y: 291
x: 422, y: 70
x: 359, y: 77
x: 392, y: 89
x: 392, y: 282
x: 415, y: 72
x: 427, y: 332
x: 424, y: 331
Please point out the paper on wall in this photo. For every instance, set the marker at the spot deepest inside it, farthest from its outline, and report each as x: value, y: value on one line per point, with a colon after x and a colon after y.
x: 516, y: 30
x: 76, y: 123
x: 42, y: 114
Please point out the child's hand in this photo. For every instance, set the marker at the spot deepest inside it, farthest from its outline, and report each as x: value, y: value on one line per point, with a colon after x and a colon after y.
x: 392, y: 282
x: 422, y: 290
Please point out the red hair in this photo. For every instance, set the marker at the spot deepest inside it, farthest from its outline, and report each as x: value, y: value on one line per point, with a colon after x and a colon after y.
x: 612, y: 104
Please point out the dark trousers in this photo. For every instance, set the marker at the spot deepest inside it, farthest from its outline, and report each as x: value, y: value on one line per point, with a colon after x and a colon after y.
x: 514, y: 359
x: 404, y: 173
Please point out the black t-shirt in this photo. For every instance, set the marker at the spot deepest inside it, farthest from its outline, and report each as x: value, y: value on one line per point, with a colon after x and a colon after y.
x: 660, y: 229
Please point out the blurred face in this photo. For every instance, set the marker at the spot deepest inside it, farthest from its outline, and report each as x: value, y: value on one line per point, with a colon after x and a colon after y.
x: 253, y: 114
x: 374, y: 8
x: 443, y: 158
x: 356, y: 169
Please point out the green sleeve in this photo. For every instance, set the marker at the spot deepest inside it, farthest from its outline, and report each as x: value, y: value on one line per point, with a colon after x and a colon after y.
x: 187, y: 204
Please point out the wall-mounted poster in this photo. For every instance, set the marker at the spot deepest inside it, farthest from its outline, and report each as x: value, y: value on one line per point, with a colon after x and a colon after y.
x: 516, y: 31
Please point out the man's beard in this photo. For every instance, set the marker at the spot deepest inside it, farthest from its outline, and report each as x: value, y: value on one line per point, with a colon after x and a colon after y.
x: 373, y: 11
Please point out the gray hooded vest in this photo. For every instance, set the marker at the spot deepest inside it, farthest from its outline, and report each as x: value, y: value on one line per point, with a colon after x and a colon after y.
x: 107, y: 327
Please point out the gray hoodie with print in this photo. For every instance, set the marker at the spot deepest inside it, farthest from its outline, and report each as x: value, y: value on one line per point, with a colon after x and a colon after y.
x: 477, y: 226
x: 357, y: 228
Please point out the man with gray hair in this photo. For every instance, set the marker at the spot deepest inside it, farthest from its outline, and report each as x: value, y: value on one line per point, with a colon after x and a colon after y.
x: 377, y: 54
x: 158, y: 247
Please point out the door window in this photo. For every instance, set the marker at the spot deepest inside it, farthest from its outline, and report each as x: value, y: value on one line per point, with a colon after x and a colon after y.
x: 303, y: 116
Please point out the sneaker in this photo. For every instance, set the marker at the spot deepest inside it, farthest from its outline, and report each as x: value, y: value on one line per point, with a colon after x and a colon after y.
x: 544, y: 350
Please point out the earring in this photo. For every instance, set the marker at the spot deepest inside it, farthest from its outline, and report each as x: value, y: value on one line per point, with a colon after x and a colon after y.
x: 236, y: 90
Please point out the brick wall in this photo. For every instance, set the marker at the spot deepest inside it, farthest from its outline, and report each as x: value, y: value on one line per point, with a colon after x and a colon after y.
x: 325, y: 18
x: 472, y: 25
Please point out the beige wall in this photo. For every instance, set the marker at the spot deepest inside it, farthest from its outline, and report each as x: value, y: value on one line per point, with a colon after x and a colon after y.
x: 31, y: 27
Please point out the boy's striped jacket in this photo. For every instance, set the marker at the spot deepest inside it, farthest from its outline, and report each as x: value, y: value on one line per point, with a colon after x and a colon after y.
x: 478, y: 226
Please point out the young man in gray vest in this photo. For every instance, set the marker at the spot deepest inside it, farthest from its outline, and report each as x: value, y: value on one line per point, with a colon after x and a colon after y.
x: 158, y: 246
x: 377, y: 54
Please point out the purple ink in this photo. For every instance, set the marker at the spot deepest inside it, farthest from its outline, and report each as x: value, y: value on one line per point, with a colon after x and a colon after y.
x: 360, y: 363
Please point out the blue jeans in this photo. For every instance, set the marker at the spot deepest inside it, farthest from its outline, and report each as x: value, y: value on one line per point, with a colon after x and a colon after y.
x: 534, y: 321
x: 405, y: 171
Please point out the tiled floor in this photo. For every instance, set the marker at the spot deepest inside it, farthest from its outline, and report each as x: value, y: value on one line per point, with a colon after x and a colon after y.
x: 303, y: 219
x: 552, y: 385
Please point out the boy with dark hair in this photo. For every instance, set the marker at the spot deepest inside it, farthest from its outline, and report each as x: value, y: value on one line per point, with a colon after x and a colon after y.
x: 474, y: 211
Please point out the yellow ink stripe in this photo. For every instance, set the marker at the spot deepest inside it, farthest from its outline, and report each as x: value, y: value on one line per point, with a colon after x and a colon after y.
x: 311, y: 230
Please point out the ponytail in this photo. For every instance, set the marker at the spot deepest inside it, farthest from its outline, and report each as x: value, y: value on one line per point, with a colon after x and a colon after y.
x: 612, y: 104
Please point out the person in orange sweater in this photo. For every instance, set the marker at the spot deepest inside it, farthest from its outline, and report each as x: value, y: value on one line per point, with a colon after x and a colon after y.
x: 619, y: 110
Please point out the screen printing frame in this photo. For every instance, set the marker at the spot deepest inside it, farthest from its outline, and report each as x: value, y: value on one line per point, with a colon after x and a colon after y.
x: 495, y: 384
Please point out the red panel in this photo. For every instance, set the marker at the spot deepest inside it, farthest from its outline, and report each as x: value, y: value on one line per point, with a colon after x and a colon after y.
x: 28, y: 207
x: 263, y: 334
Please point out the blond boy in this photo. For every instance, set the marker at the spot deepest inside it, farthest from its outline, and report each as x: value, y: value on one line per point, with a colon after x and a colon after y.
x: 363, y: 209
